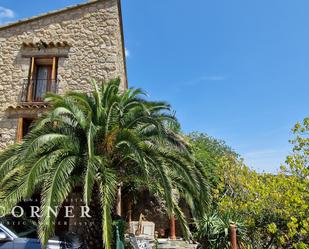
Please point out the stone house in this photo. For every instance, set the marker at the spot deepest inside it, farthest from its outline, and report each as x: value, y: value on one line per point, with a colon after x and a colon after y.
x: 56, y: 52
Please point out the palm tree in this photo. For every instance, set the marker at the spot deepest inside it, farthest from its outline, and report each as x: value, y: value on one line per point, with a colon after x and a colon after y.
x: 96, y: 141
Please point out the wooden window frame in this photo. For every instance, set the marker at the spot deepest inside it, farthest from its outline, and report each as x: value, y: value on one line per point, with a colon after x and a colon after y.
x: 33, y: 71
x: 20, y: 125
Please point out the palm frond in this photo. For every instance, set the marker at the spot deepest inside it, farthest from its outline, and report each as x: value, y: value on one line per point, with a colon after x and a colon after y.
x: 108, y: 187
x: 56, y: 189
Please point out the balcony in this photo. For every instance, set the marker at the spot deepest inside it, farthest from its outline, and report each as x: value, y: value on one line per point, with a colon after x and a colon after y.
x: 34, y: 90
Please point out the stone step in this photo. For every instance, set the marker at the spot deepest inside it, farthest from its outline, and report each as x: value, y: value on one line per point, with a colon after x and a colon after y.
x: 176, y: 244
x: 175, y: 247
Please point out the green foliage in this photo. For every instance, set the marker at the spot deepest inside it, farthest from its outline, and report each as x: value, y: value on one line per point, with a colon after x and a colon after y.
x: 274, y: 207
x: 209, y: 148
x: 99, y: 140
x: 213, y: 231
x: 298, y: 162
x: 209, y: 151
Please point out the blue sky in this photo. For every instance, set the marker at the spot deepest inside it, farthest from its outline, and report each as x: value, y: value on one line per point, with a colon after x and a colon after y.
x: 237, y: 70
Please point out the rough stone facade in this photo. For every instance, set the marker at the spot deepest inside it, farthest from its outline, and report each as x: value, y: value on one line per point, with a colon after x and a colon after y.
x: 93, y: 33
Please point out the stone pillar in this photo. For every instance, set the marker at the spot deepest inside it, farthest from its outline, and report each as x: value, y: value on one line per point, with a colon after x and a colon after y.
x: 233, y: 236
x: 130, y: 204
x: 172, y: 227
x: 118, y: 201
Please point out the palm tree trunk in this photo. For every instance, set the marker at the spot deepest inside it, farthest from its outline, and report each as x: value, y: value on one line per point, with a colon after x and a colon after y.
x: 91, y: 230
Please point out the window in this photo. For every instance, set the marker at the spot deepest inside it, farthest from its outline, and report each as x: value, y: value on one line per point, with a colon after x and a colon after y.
x: 42, y: 81
x: 42, y: 78
x: 24, y: 126
x: 27, y: 123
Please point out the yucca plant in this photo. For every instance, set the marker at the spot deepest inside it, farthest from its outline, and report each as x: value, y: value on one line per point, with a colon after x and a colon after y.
x: 214, y: 231
x: 96, y: 141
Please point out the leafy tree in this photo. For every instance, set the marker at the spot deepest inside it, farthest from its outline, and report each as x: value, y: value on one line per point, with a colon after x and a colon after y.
x: 298, y: 162
x: 208, y: 151
x: 273, y: 207
x: 98, y: 141
x: 213, y: 225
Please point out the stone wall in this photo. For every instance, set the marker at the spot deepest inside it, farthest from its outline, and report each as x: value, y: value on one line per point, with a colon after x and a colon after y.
x: 93, y: 32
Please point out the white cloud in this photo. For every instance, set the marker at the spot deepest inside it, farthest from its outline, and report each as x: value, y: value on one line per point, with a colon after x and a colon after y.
x: 127, y: 52
x: 6, y: 15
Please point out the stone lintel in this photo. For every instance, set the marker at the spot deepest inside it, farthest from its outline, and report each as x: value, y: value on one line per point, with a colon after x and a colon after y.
x: 45, y: 52
x: 26, y: 110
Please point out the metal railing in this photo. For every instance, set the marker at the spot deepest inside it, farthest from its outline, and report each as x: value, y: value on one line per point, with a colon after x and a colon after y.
x: 34, y: 90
